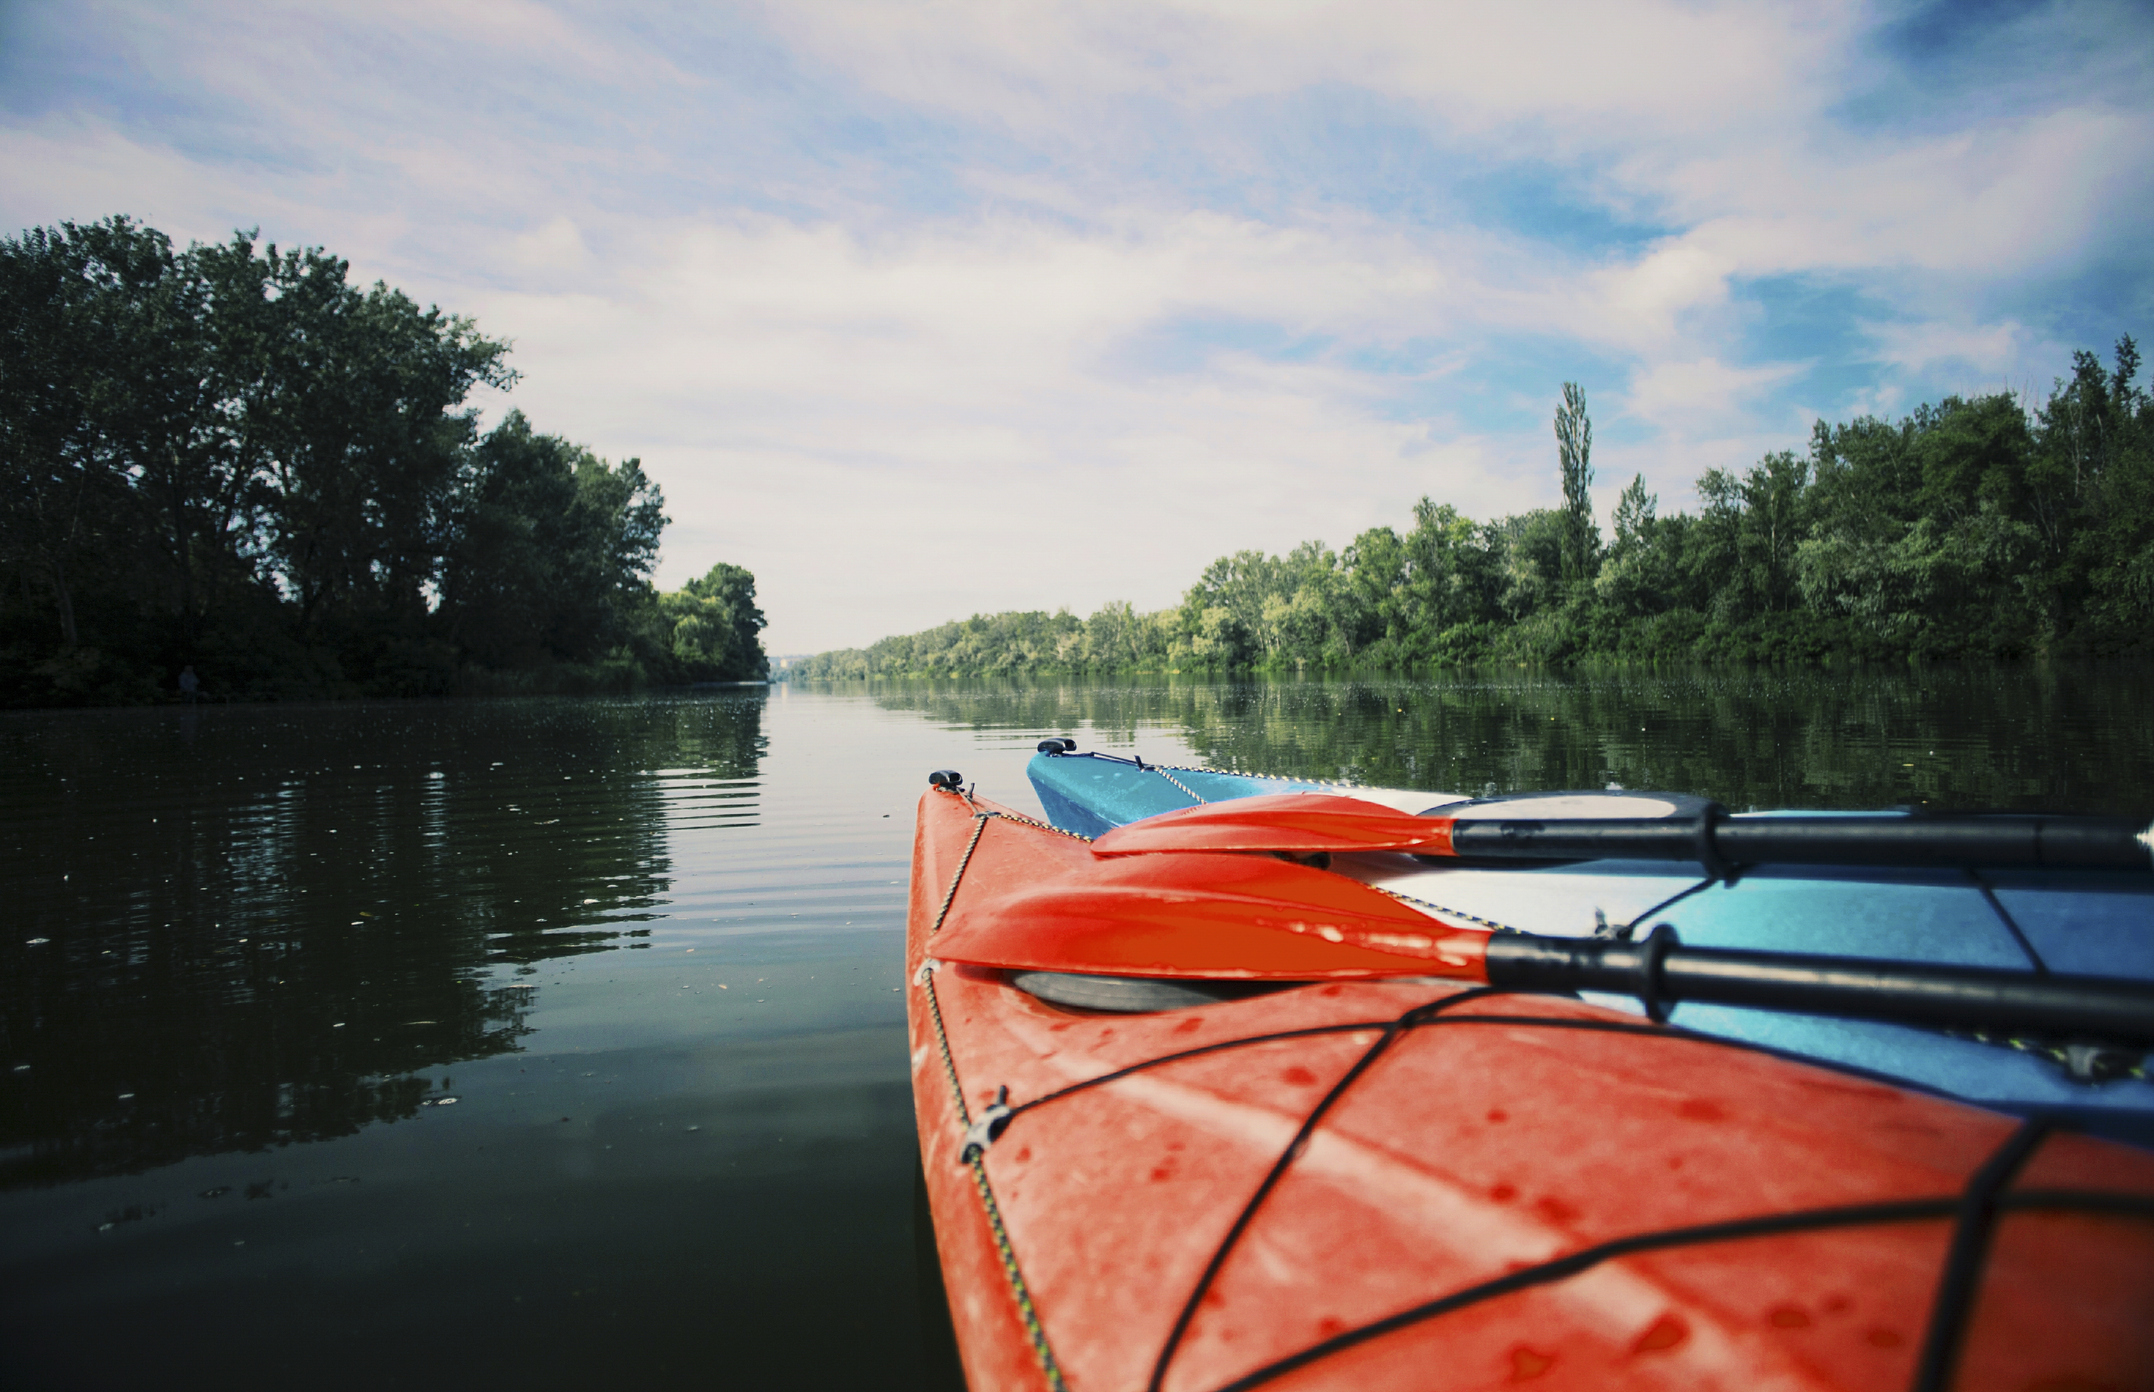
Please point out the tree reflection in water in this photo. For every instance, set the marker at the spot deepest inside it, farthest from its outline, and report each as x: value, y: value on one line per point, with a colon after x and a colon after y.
x: 212, y: 949
x: 2033, y: 736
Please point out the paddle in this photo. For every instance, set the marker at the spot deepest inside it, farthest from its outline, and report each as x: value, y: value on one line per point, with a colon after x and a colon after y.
x: 1307, y: 823
x: 1222, y: 916
x: 1255, y: 918
x: 1660, y: 972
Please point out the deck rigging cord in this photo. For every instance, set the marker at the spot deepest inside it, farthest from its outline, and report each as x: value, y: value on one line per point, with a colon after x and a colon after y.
x: 975, y: 1159
x: 974, y: 1156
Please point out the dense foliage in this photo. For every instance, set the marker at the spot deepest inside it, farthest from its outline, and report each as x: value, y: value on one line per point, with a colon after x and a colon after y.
x: 231, y: 460
x: 1970, y: 529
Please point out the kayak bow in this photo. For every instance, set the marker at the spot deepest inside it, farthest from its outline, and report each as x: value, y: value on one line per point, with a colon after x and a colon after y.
x: 1393, y: 1178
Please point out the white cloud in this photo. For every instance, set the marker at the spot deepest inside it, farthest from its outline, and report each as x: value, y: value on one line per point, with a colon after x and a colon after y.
x: 1648, y: 303
x: 81, y: 169
x: 1719, y: 118
x: 1578, y: 69
x: 1994, y: 349
x: 1706, y: 391
x: 553, y: 248
x: 831, y: 411
x: 1990, y: 201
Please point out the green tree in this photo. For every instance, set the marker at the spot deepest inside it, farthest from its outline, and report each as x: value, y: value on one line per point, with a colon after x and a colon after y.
x: 1453, y: 584
x: 355, y: 408
x: 1224, y: 611
x: 230, y: 456
x: 1574, y: 456
x: 2091, y: 495
x: 1634, y: 579
x: 715, y: 626
x: 550, y: 550
x: 57, y: 359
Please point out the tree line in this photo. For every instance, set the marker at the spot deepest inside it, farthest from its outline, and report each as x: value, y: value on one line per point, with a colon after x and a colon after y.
x: 1973, y: 528
x: 230, y: 462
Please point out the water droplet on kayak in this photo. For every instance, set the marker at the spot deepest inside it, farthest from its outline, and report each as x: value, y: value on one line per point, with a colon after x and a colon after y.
x: 1666, y: 1333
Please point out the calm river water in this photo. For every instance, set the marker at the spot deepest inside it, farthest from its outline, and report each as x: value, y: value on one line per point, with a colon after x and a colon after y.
x: 559, y: 1043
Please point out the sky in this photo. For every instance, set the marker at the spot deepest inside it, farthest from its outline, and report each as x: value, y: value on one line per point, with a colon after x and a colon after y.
x: 922, y: 310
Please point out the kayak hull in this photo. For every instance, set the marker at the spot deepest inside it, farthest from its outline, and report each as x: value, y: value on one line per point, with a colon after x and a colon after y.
x: 1410, y: 1184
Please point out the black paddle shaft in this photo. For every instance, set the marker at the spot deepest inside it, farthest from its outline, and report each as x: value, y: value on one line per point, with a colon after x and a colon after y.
x: 1998, y: 841
x: 1661, y: 972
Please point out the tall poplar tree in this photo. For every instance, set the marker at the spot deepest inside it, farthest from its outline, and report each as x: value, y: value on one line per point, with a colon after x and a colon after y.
x: 1574, y: 451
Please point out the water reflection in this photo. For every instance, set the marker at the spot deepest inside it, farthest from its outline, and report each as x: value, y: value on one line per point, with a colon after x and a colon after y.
x: 233, y: 929
x: 2056, y: 736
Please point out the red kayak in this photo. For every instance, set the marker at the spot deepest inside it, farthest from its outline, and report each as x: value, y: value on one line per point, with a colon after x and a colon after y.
x: 1372, y: 1176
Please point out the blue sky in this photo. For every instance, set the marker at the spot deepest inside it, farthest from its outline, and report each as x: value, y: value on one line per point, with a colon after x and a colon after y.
x: 921, y: 310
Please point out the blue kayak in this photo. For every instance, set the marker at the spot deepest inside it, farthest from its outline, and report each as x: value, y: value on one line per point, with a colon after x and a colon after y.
x: 2041, y: 920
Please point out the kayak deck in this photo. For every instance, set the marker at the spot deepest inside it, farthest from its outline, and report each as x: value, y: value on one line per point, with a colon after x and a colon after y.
x: 1403, y: 1183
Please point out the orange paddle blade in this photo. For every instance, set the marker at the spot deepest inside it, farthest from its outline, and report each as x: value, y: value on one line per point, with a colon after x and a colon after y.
x: 1299, y: 822
x: 1223, y: 916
